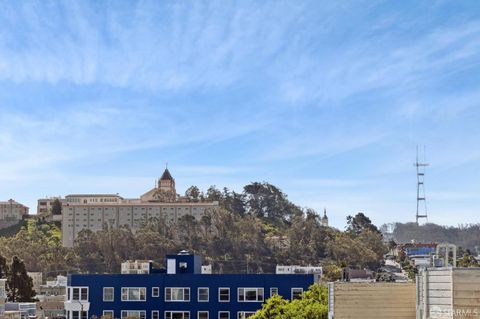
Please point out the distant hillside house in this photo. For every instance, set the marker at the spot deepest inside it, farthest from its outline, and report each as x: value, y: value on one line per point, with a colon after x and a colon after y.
x: 94, y: 211
x: 11, y: 212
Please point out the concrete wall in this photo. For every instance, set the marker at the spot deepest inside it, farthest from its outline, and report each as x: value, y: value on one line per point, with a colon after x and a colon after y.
x: 372, y: 300
x: 466, y: 292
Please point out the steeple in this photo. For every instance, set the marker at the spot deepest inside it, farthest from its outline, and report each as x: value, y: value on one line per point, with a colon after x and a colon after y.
x: 324, y: 220
x: 166, y: 184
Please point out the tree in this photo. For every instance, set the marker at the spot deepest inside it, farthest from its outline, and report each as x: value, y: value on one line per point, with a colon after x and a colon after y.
x: 193, y: 193
x: 467, y: 260
x: 3, y: 267
x: 360, y: 223
x: 20, y: 285
x: 56, y: 207
x: 312, y: 305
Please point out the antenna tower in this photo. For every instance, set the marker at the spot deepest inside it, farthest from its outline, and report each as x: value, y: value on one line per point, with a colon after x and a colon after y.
x: 421, y: 199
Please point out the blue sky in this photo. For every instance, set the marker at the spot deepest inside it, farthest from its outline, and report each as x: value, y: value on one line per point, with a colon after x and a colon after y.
x: 325, y: 99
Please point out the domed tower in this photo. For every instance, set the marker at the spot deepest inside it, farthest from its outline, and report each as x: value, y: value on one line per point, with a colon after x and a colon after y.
x: 324, y: 220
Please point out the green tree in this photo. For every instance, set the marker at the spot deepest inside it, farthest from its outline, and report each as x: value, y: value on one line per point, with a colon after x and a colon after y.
x: 467, y: 260
x: 20, y: 285
x: 56, y: 207
x: 312, y: 305
x: 360, y: 223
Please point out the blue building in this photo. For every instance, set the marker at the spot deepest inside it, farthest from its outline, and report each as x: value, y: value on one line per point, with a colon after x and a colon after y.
x: 179, y: 292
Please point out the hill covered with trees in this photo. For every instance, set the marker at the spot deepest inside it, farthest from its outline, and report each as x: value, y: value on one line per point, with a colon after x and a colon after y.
x: 251, y: 232
x: 466, y: 236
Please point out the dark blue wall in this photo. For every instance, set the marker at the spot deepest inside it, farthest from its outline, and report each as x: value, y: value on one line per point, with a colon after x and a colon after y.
x: 284, y: 283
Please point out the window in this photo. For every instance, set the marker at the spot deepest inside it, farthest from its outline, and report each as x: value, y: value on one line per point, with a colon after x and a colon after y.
x: 134, y: 294
x: 224, y: 294
x: 250, y: 294
x: 202, y: 315
x: 297, y: 293
x: 108, y: 314
x: 177, y: 294
x: 273, y: 291
x: 76, y: 315
x: 177, y: 315
x: 79, y: 293
x: 155, y: 292
x: 223, y: 315
x: 245, y: 314
x: 155, y: 314
x: 108, y: 293
x: 138, y: 314
x: 203, y: 295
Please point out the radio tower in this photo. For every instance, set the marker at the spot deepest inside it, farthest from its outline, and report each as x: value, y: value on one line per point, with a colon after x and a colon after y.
x: 421, y: 199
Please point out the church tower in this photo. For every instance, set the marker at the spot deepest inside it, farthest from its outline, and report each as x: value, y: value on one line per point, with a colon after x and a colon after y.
x: 167, y: 183
x: 324, y: 220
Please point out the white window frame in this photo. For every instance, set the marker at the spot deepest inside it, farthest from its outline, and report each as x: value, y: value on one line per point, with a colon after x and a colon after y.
x: 113, y: 294
x: 242, y: 314
x: 158, y: 292
x: 110, y: 312
x: 79, y: 293
x: 184, y: 300
x: 271, y: 293
x: 138, y: 311
x: 250, y: 288
x: 198, y: 294
x: 171, y: 312
x: 203, y: 311
x: 228, y: 288
x: 291, y: 291
x: 140, y: 300
x: 157, y: 312
x: 223, y: 312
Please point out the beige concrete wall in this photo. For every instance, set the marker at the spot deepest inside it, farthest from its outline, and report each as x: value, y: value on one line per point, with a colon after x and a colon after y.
x: 373, y: 301
x: 466, y: 293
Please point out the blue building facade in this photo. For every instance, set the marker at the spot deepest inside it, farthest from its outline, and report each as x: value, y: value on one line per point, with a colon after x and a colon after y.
x: 180, y: 292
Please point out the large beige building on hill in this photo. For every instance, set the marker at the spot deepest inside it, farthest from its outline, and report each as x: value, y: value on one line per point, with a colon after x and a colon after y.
x: 94, y: 211
x: 11, y: 212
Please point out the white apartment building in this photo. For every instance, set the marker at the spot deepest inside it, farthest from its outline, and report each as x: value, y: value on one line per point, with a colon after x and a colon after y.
x: 96, y: 211
x: 294, y: 269
x: 136, y: 267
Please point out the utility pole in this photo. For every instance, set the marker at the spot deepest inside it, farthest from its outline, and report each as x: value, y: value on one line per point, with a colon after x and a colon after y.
x: 421, y: 199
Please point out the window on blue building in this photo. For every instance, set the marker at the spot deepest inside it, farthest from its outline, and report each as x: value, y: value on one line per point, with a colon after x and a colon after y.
x: 108, y: 314
x: 155, y: 292
x: 177, y: 315
x: 273, y: 291
x: 224, y: 294
x: 297, y: 293
x: 223, y: 315
x: 203, y: 294
x: 202, y: 315
x: 134, y: 294
x: 250, y: 295
x: 155, y: 314
x: 177, y: 294
x: 138, y: 314
x: 108, y: 293
x: 245, y: 314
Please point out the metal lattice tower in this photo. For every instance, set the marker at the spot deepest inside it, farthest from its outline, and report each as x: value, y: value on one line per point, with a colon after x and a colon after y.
x: 421, y: 199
